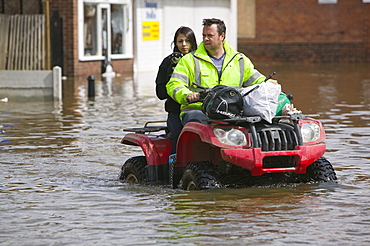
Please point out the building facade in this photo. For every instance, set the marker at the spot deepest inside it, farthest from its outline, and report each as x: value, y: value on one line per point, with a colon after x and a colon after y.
x: 329, y: 31
x: 135, y: 35
x: 131, y: 35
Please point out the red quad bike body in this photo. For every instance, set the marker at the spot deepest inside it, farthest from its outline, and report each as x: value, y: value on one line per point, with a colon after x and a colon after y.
x: 231, y: 153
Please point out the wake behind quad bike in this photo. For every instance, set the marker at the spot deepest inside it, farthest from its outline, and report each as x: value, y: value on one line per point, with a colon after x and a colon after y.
x: 234, y: 152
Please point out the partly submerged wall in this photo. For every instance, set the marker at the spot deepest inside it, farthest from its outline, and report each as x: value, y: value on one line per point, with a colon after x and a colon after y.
x: 45, y: 85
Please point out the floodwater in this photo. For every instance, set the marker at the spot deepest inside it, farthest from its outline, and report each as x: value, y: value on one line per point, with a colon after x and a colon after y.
x: 59, y: 166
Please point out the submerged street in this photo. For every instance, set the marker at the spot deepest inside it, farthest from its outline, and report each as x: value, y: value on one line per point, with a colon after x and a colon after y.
x: 60, y: 163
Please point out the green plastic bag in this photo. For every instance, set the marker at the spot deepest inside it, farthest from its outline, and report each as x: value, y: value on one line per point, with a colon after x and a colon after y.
x: 282, y: 101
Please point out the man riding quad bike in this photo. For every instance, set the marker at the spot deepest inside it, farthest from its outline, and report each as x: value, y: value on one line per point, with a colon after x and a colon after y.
x: 231, y: 149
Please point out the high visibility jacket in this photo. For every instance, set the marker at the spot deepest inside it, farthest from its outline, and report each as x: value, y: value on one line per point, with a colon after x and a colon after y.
x: 237, y: 71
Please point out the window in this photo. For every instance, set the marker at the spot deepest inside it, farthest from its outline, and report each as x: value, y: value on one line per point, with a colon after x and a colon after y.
x: 90, y: 32
x: 105, y: 29
x: 118, y: 29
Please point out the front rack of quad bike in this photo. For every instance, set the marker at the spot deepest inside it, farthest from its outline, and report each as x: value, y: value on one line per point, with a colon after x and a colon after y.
x: 255, y: 119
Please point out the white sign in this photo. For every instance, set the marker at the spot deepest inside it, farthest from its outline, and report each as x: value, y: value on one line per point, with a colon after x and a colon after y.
x: 328, y: 1
x: 151, y: 10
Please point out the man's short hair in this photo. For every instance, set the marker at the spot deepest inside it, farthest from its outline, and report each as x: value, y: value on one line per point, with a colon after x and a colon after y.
x: 221, y: 27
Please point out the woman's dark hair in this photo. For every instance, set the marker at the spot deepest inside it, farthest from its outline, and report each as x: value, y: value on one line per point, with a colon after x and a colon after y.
x: 189, y: 34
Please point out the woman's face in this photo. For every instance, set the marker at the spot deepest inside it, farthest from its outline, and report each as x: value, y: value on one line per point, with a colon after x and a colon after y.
x: 183, y: 44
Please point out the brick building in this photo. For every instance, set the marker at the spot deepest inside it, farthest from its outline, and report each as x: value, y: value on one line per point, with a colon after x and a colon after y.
x: 76, y: 62
x: 279, y: 30
x: 65, y: 33
x: 305, y: 30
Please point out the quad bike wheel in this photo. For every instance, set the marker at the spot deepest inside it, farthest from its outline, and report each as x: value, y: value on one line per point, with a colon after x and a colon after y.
x: 321, y: 171
x: 133, y: 171
x: 200, y: 176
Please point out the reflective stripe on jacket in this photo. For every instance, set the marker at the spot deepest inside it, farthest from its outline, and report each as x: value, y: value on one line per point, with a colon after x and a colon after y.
x: 237, y: 71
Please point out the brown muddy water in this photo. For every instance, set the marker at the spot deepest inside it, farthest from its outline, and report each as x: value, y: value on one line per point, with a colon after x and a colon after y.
x: 59, y: 166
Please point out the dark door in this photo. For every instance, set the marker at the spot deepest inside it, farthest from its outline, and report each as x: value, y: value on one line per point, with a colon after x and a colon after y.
x: 56, y: 40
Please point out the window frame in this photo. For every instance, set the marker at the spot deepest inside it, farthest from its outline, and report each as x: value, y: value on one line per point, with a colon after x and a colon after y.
x: 101, y: 4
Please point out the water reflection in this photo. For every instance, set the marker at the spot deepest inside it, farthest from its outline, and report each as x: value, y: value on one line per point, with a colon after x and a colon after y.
x: 323, y: 86
x: 59, y: 164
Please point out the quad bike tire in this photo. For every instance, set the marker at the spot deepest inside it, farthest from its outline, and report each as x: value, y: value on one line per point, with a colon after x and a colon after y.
x: 133, y: 171
x: 200, y: 176
x: 321, y: 171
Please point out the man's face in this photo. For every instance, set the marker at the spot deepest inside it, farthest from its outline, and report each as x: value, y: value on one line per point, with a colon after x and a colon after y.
x: 211, y: 39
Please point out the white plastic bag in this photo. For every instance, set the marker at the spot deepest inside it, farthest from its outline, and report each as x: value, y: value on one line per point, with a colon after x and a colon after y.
x: 261, y: 100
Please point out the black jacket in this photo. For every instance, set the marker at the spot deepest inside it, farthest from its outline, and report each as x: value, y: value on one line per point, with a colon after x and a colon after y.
x: 164, y: 74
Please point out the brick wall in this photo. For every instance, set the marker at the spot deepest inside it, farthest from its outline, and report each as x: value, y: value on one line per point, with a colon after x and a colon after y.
x: 67, y: 12
x: 305, y: 31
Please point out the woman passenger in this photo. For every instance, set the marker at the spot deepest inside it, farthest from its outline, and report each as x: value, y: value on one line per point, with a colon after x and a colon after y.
x: 184, y: 42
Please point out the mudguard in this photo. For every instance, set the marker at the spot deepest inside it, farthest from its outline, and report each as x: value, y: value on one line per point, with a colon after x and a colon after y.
x: 197, y: 142
x: 156, y: 148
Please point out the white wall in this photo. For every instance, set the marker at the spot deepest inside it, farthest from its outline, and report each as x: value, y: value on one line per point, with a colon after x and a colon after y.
x: 171, y: 14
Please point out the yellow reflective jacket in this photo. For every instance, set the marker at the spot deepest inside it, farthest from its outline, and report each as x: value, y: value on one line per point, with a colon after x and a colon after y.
x: 237, y: 71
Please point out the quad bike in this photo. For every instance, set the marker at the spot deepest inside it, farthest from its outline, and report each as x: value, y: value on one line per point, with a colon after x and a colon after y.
x: 235, y: 152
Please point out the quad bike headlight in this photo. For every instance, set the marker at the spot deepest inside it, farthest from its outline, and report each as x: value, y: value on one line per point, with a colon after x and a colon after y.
x: 230, y: 136
x: 310, y: 132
